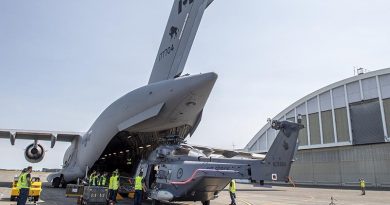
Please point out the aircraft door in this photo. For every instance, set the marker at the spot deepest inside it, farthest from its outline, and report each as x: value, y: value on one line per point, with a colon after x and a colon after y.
x: 150, y: 178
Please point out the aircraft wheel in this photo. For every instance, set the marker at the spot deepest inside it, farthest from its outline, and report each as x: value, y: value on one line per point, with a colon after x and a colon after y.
x: 206, y: 202
x: 155, y: 202
x: 63, y: 184
x: 56, y: 182
x: 83, y: 202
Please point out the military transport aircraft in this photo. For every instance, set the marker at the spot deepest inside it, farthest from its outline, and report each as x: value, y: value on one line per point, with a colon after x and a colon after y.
x: 170, y: 104
x: 139, y: 123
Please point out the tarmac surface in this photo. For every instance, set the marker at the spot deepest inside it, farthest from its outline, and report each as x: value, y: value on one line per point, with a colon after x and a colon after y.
x: 246, y: 195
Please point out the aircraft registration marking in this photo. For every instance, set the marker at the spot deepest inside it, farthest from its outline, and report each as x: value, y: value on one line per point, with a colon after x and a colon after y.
x: 166, y: 52
x: 279, y: 164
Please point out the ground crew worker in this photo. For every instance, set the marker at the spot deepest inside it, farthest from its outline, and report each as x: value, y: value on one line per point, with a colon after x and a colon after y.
x: 232, y: 191
x: 96, y: 179
x: 91, y: 178
x: 138, y: 186
x: 113, y: 185
x: 103, y: 179
x: 24, y: 183
x: 363, y: 186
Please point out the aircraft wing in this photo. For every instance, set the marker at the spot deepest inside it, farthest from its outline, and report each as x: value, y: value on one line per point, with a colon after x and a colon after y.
x: 228, y: 153
x: 52, y: 136
x: 178, y: 37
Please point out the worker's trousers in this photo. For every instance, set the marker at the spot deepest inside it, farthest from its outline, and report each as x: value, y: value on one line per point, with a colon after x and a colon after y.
x: 138, y: 197
x: 23, y: 195
x: 233, y: 198
x: 112, y: 194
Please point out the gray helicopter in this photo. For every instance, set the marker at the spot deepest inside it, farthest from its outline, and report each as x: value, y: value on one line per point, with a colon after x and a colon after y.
x: 176, y: 171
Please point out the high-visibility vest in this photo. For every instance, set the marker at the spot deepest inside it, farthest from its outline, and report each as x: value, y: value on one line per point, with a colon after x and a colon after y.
x: 362, y: 184
x: 22, y: 181
x: 103, y: 180
x: 114, y: 183
x: 96, y: 181
x: 232, y: 186
x: 138, y: 183
x: 91, y: 178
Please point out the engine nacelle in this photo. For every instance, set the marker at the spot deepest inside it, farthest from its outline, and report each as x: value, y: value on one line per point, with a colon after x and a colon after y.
x: 34, y: 153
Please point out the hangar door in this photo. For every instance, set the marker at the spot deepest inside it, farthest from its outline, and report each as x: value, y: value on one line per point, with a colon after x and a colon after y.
x: 366, y: 122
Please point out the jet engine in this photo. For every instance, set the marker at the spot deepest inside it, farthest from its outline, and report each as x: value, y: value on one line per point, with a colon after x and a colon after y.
x: 34, y: 153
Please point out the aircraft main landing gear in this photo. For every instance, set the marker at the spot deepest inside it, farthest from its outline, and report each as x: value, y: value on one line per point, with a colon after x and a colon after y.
x: 56, y: 182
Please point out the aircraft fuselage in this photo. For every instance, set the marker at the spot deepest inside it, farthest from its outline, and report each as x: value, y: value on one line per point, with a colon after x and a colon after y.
x: 152, y: 108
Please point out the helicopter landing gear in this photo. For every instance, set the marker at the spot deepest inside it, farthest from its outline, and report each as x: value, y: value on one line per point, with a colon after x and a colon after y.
x: 206, y: 202
x: 155, y: 202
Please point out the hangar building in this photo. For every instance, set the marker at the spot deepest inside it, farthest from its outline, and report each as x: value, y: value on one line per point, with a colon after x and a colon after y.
x: 346, y: 134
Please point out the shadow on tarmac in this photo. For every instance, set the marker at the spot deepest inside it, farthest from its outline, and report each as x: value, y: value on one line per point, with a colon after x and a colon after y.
x: 259, y: 190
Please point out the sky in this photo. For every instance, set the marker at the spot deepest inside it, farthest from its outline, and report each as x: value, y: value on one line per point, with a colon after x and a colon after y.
x: 63, y: 62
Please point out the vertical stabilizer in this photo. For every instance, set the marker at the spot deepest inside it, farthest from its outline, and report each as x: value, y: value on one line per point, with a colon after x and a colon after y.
x: 178, y: 37
x: 277, y: 163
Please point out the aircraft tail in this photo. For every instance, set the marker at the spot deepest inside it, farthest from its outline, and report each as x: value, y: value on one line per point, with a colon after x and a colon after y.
x: 277, y: 163
x: 178, y: 37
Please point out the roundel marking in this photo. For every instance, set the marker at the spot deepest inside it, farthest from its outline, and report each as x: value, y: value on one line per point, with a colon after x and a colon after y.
x: 179, y: 173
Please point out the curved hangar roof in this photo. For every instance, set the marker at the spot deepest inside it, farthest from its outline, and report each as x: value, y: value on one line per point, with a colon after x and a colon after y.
x: 352, y: 111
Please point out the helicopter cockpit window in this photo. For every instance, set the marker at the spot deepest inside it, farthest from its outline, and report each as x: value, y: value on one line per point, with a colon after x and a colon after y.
x: 181, y: 151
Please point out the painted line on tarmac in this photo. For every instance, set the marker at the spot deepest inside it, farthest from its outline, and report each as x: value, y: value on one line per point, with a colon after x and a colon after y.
x: 245, y: 202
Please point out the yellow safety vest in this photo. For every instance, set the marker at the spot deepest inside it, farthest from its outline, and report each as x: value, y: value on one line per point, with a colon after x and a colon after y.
x: 91, y: 179
x: 22, y: 181
x: 232, y: 187
x: 114, y: 183
x: 96, y: 181
x: 138, y: 183
x: 110, y: 182
x: 362, y: 184
x: 103, y: 180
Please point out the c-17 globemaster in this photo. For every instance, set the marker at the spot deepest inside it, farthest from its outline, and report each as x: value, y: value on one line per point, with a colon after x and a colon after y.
x: 132, y: 127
